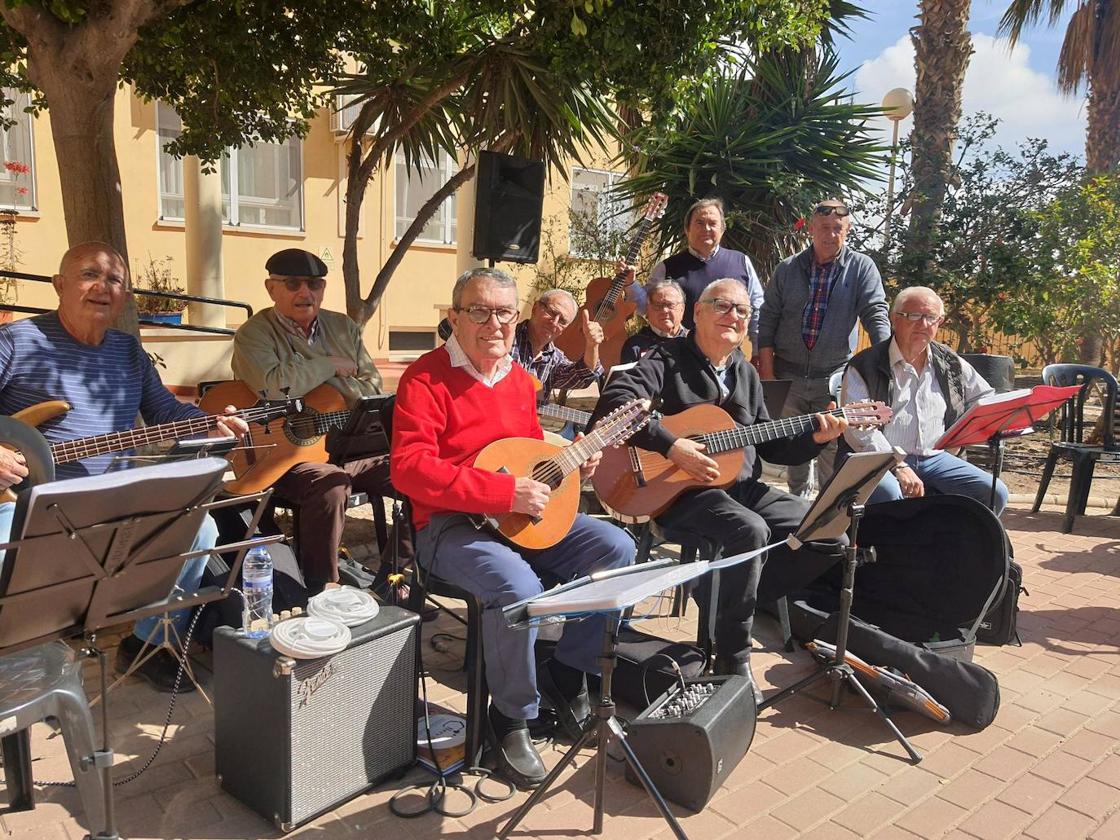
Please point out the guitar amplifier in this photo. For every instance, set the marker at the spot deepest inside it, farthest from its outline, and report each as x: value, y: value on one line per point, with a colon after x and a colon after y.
x: 295, y: 738
x: 691, y: 738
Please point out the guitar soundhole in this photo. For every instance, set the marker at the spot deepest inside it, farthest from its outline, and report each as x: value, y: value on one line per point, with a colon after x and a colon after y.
x: 302, y: 429
x: 546, y: 472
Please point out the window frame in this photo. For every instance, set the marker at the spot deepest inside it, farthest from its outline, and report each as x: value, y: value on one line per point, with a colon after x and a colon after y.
x: 32, y: 205
x: 448, y: 213
x: 612, y: 179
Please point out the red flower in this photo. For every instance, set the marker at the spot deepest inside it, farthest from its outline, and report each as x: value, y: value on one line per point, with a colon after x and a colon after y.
x: 17, y: 166
x: 800, y: 223
x: 22, y: 190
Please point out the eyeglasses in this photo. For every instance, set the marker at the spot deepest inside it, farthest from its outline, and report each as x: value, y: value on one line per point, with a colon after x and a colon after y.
x: 554, y: 314
x: 292, y: 284
x: 828, y: 209
x: 666, y: 304
x: 915, y: 317
x: 722, y: 307
x: 481, y: 314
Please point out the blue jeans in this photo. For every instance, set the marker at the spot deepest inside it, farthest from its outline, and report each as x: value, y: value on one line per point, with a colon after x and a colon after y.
x: 451, y: 548
x: 190, y: 579
x: 945, y: 473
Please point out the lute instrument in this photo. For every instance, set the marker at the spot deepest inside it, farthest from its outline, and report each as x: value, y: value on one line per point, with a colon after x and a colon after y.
x: 558, y: 467
x: 604, y: 299
x: 637, y: 482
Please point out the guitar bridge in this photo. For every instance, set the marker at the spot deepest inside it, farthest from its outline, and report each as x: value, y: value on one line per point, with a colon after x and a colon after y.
x: 636, y: 466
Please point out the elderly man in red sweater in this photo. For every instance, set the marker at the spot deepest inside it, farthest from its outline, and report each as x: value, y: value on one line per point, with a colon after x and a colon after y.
x: 451, y: 403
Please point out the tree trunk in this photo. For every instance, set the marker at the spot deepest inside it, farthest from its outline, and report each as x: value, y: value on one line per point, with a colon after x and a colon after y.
x: 942, y: 47
x: 1102, y: 138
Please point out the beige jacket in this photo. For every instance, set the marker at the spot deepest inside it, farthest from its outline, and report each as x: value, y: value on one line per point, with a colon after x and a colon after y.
x: 267, y: 357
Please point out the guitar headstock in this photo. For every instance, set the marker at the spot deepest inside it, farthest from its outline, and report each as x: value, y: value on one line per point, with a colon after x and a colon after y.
x: 867, y: 415
x: 623, y: 422
x: 655, y: 207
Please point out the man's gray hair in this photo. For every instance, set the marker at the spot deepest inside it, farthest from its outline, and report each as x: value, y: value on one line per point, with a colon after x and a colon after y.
x: 913, y: 292
x: 700, y: 205
x: 546, y: 296
x: 662, y: 285
x: 710, y: 290
x: 494, y: 275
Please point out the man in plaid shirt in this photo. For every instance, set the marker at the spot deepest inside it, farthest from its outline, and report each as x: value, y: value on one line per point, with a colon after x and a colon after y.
x: 555, y: 311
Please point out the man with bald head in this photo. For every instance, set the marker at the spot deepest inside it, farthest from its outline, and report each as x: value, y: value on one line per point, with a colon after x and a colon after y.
x: 73, y: 354
x: 708, y: 366
x: 928, y: 387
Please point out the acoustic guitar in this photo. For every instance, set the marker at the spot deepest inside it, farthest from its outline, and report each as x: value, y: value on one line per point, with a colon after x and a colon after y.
x: 604, y: 301
x: 558, y: 467
x: 295, y: 438
x: 637, y: 482
x: 562, y: 412
x: 41, y: 468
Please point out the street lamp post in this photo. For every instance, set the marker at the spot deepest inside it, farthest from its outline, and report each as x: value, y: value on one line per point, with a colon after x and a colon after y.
x: 898, y: 105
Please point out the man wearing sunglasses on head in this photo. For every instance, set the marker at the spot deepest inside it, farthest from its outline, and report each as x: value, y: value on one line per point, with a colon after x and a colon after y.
x: 928, y: 387
x: 298, y: 346
x: 807, y: 328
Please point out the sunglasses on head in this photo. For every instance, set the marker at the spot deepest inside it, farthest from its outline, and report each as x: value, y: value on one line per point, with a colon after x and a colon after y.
x: 828, y: 209
x: 292, y: 284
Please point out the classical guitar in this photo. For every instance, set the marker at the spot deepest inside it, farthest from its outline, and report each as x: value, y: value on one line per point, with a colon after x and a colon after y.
x: 298, y: 438
x: 604, y: 299
x: 562, y: 412
x: 637, y: 482
x: 558, y: 467
x: 68, y: 451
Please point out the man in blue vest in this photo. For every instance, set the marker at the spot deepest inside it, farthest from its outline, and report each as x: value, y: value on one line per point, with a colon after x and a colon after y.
x: 704, y: 262
x: 807, y: 327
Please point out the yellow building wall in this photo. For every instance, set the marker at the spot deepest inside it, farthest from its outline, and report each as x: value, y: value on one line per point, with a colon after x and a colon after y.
x: 417, y: 296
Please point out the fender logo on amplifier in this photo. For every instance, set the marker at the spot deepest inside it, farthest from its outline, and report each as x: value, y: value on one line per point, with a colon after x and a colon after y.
x: 309, y: 686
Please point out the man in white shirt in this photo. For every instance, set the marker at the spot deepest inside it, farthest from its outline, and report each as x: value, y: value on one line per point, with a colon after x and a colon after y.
x: 928, y: 387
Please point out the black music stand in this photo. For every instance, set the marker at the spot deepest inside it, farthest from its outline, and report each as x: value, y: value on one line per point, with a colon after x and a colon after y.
x: 608, y: 591
x: 365, y: 434
x: 838, y: 509
x: 99, y: 551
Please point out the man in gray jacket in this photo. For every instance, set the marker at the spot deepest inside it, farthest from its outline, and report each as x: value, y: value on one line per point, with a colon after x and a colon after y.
x: 807, y: 327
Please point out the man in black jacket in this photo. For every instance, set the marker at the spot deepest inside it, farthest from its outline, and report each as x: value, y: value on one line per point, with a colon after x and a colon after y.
x: 708, y: 367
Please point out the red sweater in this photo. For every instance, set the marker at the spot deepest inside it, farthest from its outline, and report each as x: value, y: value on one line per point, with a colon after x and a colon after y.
x: 442, y: 419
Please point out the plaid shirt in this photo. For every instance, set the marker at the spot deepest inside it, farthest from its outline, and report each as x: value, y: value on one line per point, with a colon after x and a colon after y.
x: 820, y: 287
x: 552, y: 368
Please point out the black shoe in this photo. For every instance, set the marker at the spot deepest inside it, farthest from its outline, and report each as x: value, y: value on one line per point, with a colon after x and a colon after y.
x: 160, y: 670
x: 516, y: 758
x: 741, y: 668
x: 572, y: 714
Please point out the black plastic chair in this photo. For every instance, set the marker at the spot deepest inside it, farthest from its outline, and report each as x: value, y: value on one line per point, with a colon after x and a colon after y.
x: 1072, y: 426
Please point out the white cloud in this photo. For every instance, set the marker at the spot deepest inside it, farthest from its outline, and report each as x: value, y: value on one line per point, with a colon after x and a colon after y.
x: 999, y: 82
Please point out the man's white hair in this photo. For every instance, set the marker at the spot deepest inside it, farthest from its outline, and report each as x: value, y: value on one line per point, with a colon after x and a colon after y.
x: 913, y: 292
x: 711, y: 289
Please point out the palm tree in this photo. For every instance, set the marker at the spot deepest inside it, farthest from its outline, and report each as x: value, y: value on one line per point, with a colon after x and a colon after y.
x: 1091, y: 54
x: 942, y: 48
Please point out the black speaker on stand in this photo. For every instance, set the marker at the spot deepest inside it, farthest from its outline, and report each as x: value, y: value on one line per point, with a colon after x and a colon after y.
x: 507, y: 209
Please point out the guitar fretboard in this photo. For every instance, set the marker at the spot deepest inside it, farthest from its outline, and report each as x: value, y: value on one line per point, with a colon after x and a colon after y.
x: 562, y: 412
x: 607, y: 304
x: 614, y: 428
x: 741, y: 437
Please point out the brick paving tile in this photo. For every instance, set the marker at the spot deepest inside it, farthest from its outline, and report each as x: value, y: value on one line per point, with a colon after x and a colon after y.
x: 1020, y: 681
x: 1108, y: 771
x: 769, y: 828
x: 1062, y: 768
x: 1089, y: 704
x: 1106, y: 684
x: 1060, y: 822
x: 1092, y: 746
x: 948, y: 760
x: 787, y: 746
x: 1030, y: 793
x: 980, y: 740
x: 910, y: 786
x: 1003, y: 763
x: 1039, y: 700
x: 867, y: 813
x: 794, y: 776
x: 747, y: 802
x: 807, y: 809
x: 970, y: 789
x: 892, y: 832
x: 1045, y: 666
x: 1061, y: 722
x: 995, y: 820
x: 1091, y: 798
x: 752, y: 767
x: 853, y: 782
x: 1109, y: 829
x: 931, y: 818
x: 1034, y: 741
x: 705, y: 824
x: 1106, y: 724
x: 1087, y: 667
x: 835, y: 755
x: 832, y: 831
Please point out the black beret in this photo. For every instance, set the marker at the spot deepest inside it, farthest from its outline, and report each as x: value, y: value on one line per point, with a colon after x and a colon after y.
x: 295, y: 262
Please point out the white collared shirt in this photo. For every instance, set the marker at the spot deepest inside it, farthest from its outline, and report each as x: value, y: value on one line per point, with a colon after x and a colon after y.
x: 917, y: 402
x: 460, y: 359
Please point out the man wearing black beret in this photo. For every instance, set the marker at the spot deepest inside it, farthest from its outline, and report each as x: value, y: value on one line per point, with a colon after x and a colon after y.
x: 298, y: 346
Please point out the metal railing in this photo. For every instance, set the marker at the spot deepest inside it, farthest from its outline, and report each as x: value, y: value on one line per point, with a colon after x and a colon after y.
x: 236, y: 304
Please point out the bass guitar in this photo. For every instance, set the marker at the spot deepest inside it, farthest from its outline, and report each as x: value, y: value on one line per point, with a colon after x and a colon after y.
x: 637, y: 482
x: 41, y: 468
x: 558, y: 467
x: 604, y: 301
x: 296, y: 438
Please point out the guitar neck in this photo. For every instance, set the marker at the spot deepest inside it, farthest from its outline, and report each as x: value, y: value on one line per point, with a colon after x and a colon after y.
x: 75, y: 450
x: 614, y: 428
x: 330, y: 420
x: 613, y: 294
x: 741, y: 437
x: 562, y: 412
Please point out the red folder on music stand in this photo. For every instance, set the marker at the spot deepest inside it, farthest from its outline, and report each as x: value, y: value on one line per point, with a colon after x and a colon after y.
x: 1002, y: 416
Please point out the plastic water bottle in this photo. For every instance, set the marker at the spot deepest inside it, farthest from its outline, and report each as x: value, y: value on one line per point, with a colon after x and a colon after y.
x: 256, y: 583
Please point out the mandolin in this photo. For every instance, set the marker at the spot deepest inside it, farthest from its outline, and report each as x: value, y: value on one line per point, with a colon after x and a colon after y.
x: 558, y: 467
x: 604, y: 299
x: 41, y: 469
x: 636, y: 482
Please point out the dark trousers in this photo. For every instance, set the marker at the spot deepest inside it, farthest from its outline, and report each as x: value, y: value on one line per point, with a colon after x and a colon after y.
x: 321, y: 491
x: 746, y: 516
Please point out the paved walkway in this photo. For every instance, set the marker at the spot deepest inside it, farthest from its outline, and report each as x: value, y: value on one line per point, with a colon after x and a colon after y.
x: 1049, y: 767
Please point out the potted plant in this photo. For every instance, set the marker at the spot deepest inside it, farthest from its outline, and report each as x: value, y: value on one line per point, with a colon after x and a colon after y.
x: 157, y: 276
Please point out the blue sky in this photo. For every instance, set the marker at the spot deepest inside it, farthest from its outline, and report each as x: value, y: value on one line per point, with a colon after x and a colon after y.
x: 1017, y: 86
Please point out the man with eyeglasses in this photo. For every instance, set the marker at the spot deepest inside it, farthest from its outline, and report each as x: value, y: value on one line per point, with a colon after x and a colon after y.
x: 708, y: 366
x: 928, y: 387
x: 807, y: 328
x: 533, y: 347
x: 664, y: 313
x: 297, y: 345
x: 451, y: 403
